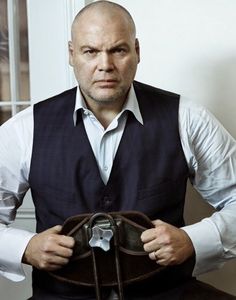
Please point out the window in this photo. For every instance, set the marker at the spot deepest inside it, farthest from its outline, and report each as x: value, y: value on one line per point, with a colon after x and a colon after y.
x: 14, y: 70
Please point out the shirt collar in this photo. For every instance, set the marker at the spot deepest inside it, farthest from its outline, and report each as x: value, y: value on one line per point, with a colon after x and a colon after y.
x: 130, y: 105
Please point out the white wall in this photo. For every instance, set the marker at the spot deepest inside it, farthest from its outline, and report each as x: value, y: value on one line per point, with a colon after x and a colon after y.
x: 189, y: 47
x: 49, y: 23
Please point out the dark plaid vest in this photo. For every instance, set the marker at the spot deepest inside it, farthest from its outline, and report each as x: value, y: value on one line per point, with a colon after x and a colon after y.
x: 149, y: 171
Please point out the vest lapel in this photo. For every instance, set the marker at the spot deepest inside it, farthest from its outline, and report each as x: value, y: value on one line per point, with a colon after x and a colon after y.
x: 126, y: 147
x: 84, y: 140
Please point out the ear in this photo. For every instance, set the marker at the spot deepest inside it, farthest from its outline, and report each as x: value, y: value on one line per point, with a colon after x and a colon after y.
x: 71, y: 53
x: 137, y: 49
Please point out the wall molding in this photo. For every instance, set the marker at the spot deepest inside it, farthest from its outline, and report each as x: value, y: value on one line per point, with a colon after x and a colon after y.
x: 25, y: 214
x: 71, y: 8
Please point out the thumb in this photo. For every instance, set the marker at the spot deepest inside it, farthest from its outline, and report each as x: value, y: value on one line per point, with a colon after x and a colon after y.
x: 157, y: 222
x: 55, y: 229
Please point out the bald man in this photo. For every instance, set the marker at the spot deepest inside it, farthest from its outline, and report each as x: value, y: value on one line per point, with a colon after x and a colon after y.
x: 113, y: 144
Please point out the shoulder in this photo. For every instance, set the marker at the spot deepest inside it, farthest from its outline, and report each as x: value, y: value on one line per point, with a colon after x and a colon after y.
x: 201, y: 133
x: 21, y: 120
x: 195, y: 118
x: 68, y: 95
x: 153, y: 91
x: 190, y: 107
x: 17, y: 133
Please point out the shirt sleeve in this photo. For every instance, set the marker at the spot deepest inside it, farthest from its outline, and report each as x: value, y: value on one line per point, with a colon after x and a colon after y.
x: 210, y: 152
x: 15, y: 154
x: 12, y: 247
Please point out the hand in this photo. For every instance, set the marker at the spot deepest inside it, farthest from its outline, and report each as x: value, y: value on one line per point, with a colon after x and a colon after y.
x: 167, y: 244
x: 49, y: 250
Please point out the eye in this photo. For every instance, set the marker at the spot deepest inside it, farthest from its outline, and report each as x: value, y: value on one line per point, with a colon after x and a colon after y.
x: 90, y: 52
x: 120, y: 51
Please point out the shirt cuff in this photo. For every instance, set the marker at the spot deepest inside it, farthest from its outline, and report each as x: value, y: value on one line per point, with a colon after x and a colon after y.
x: 207, y: 244
x: 12, y: 248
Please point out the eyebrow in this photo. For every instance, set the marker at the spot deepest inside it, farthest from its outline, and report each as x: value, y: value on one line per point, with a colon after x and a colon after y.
x: 109, y: 50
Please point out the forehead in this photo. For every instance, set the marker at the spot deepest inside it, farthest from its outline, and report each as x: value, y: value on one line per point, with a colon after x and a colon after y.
x: 107, y: 27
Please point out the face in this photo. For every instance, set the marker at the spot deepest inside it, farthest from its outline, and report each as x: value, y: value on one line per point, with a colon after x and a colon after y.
x: 104, y: 54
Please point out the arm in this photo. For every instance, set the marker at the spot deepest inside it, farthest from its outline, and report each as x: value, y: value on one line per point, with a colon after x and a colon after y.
x: 211, y: 156
x: 48, y: 250
x: 14, y: 165
x: 12, y: 246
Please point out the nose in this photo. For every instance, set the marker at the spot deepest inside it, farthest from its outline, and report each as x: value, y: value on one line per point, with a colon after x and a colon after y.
x: 105, y: 62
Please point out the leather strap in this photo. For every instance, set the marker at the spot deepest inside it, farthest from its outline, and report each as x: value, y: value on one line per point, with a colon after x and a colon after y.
x: 113, y: 227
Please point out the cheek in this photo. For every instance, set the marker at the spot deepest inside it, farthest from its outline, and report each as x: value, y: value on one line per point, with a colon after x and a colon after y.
x: 129, y: 69
x: 82, y: 72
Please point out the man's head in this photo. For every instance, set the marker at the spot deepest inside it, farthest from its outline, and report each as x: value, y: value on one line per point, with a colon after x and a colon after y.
x: 104, y: 51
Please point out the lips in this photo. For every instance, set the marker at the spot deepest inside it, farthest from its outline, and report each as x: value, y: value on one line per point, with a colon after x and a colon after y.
x: 106, y: 80
x: 106, y: 83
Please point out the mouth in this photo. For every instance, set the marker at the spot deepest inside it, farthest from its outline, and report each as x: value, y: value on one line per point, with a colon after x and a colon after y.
x: 106, y: 83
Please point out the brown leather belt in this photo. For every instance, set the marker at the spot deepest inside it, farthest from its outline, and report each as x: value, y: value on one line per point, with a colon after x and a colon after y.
x: 108, y: 250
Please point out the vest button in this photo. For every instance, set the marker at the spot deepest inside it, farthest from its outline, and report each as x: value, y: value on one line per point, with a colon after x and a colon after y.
x: 107, y: 201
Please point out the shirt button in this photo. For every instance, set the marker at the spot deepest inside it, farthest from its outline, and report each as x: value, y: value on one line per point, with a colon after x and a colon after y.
x: 105, y: 168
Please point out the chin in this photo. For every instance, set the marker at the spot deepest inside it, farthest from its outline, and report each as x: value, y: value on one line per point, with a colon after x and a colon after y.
x: 103, y: 100
x: 106, y: 97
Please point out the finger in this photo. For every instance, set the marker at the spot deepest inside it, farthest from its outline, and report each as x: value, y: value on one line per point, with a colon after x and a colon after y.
x: 148, y: 235
x: 58, y: 260
x: 153, y: 256
x: 55, y: 229
x: 152, y: 246
x: 48, y: 262
x: 56, y: 244
x: 67, y: 241
x: 53, y: 267
x: 64, y: 252
x: 158, y: 222
x: 162, y: 262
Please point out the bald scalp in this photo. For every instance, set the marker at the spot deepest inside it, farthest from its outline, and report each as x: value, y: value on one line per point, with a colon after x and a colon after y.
x: 105, y: 8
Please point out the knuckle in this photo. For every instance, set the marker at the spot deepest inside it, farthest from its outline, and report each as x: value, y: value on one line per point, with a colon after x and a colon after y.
x: 173, y: 260
x: 151, y: 256
x: 70, y: 241
x: 170, y: 251
x: 48, y: 243
x: 66, y: 261
x: 54, y: 268
x: 145, y: 247
x: 51, y: 239
x: 161, y: 230
x: 70, y: 252
x: 46, y: 246
x: 167, y: 239
x: 42, y: 265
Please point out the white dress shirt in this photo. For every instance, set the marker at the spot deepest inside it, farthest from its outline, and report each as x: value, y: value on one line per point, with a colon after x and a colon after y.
x: 209, y: 150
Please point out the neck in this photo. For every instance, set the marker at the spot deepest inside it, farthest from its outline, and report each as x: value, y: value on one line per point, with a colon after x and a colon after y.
x: 105, y: 117
x: 105, y: 112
